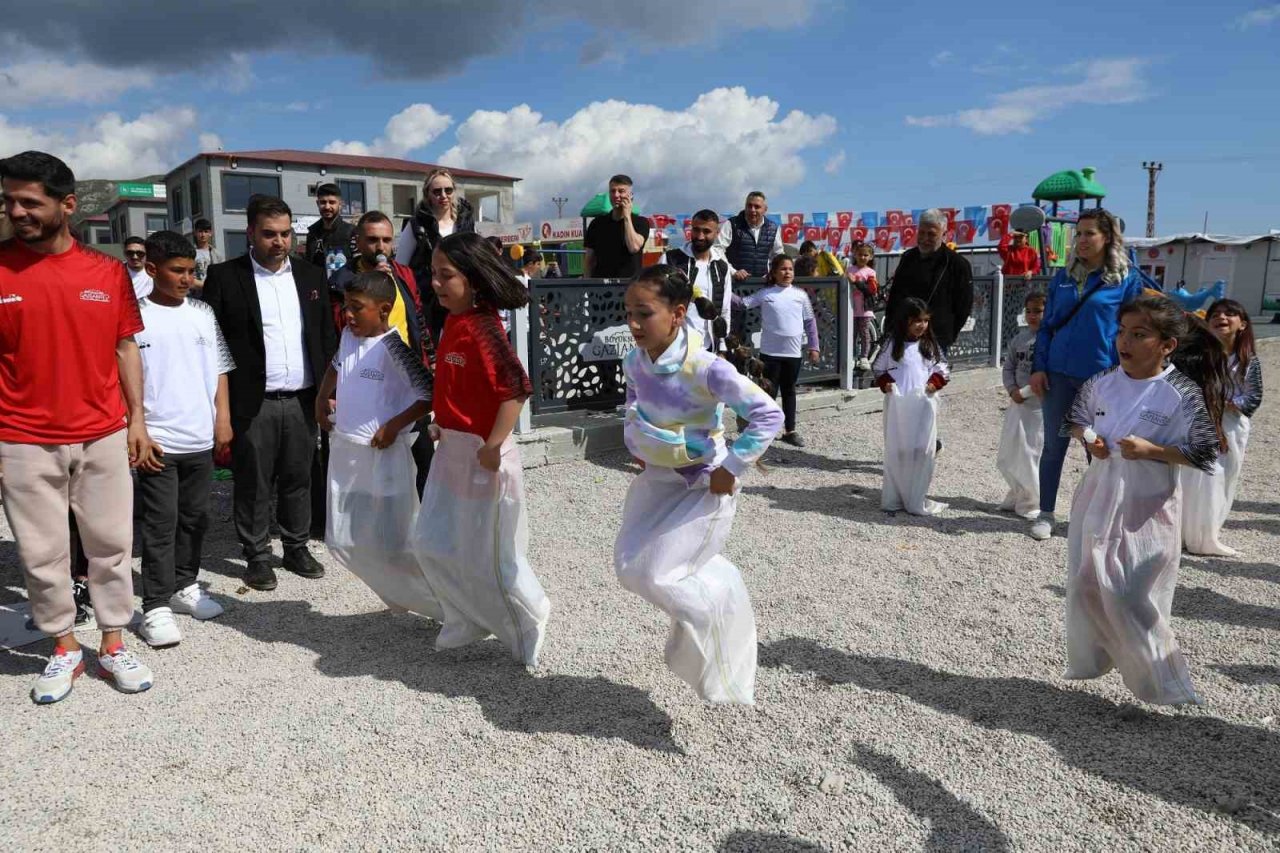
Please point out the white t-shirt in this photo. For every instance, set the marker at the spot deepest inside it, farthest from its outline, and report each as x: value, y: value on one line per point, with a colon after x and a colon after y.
x: 183, y: 354
x: 142, y: 282
x: 378, y: 378
x: 206, y: 258
x: 693, y: 319
x: 783, y: 312
x: 912, y: 371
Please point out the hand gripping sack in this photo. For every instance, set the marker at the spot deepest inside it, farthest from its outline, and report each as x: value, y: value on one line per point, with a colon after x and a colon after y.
x: 372, y: 509
x: 471, y: 541
x: 1021, y: 443
x: 668, y: 552
x: 1122, y: 566
x: 910, y: 440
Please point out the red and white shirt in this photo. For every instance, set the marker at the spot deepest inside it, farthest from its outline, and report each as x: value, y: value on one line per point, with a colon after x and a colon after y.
x: 476, y: 372
x: 61, y: 317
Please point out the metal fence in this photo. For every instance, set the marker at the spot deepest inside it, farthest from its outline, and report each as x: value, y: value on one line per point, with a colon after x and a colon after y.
x: 577, y: 335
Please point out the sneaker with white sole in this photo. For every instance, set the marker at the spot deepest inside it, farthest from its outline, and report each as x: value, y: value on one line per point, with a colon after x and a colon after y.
x: 195, y: 602
x: 159, y: 628
x: 55, y: 682
x: 125, y: 671
x: 1042, y: 528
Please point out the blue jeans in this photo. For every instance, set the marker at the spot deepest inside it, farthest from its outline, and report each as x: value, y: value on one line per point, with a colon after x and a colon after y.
x: 1057, y: 402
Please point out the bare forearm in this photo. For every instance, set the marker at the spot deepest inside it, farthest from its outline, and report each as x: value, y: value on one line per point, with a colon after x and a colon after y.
x: 411, y: 415
x: 505, y: 424
x: 129, y: 363
x: 222, y: 400
x: 328, y: 384
x: 633, y: 238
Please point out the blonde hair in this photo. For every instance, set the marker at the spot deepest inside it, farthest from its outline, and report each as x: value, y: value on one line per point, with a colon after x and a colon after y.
x: 452, y: 199
x: 1115, y: 262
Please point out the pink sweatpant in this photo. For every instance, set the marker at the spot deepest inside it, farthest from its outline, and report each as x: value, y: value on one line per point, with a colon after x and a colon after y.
x: 41, y: 481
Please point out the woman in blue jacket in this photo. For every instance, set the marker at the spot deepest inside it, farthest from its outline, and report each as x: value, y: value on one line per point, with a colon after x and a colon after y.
x: 1077, y: 338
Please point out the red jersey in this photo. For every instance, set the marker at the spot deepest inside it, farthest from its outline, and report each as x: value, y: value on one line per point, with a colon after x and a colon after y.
x: 476, y: 372
x: 1019, y: 261
x: 60, y: 319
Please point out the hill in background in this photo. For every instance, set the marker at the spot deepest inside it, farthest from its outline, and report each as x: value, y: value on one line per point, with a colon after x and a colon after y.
x: 96, y: 196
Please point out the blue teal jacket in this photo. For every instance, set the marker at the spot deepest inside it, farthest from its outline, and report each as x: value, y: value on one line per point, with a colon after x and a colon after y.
x: 1087, y: 344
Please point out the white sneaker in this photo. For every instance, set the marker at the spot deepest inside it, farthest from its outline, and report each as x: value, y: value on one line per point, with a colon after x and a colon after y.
x: 160, y: 629
x: 129, y: 674
x: 1042, y: 529
x: 55, y: 682
x: 195, y: 602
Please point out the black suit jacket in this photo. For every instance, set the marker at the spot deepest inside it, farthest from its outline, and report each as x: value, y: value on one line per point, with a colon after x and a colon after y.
x: 232, y: 293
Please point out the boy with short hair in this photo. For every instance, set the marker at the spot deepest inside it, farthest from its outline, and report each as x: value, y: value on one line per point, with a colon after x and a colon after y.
x: 206, y: 254
x: 1022, y: 440
x: 185, y: 362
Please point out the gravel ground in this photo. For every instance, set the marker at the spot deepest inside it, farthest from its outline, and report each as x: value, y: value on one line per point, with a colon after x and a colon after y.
x: 908, y: 697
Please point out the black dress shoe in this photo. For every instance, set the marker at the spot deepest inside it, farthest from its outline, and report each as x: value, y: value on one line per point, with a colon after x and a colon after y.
x: 259, y: 575
x: 302, y: 564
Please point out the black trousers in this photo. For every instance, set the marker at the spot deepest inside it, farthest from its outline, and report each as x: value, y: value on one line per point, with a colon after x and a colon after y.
x: 783, y: 373
x: 320, y: 487
x: 174, y: 504
x: 423, y: 450
x: 276, y: 446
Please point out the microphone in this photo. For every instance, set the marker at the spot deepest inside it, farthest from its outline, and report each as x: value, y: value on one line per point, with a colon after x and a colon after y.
x: 380, y: 260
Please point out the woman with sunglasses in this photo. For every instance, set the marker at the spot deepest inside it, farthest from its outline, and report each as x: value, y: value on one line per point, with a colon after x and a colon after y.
x: 1077, y: 338
x: 441, y: 212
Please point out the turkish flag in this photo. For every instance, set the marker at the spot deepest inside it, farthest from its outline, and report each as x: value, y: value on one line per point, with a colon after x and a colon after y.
x: 834, y: 237
x: 965, y: 231
x: 812, y: 232
x: 885, y: 238
x: 790, y: 233
x: 908, y: 236
x: 858, y: 233
x: 795, y: 219
x: 1001, y: 211
x: 688, y: 235
x: 950, y: 236
x: 844, y: 218
x: 908, y: 218
x: 996, y: 227
x: 951, y: 216
x: 894, y: 218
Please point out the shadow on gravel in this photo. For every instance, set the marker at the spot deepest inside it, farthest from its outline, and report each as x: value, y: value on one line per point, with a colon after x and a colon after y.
x: 953, y: 823
x: 1251, y: 674
x: 858, y: 503
x: 1196, y: 602
x: 750, y: 841
x: 1231, y: 568
x: 783, y: 456
x: 1186, y: 759
x: 1262, y: 525
x: 1260, y: 507
x: 361, y: 645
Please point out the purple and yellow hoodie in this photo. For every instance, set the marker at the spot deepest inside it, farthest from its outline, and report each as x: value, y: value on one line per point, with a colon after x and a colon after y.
x: 675, y: 410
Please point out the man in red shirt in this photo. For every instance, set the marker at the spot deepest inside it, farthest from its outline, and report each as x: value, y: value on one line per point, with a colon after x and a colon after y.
x: 71, y: 419
x: 1018, y: 257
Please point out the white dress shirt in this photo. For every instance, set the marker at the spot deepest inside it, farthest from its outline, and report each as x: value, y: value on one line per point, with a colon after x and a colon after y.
x: 282, y: 330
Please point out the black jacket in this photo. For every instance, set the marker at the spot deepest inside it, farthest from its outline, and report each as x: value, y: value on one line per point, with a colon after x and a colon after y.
x: 943, y: 281
x: 320, y: 242
x: 232, y: 293
x: 426, y: 230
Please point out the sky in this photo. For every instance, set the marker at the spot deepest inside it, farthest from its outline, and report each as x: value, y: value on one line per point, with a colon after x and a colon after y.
x: 823, y: 105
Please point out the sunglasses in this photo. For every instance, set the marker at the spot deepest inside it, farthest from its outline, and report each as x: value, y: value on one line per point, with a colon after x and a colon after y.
x: 135, y: 254
x: 442, y: 190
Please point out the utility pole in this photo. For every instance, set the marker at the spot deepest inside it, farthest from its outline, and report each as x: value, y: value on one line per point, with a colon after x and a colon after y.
x: 559, y: 201
x: 1153, y: 169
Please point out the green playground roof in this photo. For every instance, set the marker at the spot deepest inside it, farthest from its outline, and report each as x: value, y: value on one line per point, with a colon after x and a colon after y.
x: 1069, y: 185
x: 600, y: 206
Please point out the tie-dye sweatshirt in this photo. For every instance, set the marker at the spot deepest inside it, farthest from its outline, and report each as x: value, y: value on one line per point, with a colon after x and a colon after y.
x: 675, y: 410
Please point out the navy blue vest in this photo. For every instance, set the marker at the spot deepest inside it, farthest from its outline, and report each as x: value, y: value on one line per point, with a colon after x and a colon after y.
x: 747, y: 253
x: 687, y: 265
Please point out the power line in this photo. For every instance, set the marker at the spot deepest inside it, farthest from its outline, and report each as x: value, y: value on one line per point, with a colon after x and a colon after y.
x: 559, y: 201
x: 1153, y: 169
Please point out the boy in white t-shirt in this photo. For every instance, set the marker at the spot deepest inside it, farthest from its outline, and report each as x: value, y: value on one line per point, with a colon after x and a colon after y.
x: 185, y: 362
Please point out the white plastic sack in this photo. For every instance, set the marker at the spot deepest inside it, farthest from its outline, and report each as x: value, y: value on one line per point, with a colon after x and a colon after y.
x: 1207, y: 500
x: 1021, y: 443
x: 910, y: 439
x: 471, y: 541
x: 668, y: 552
x: 1123, y: 548
x: 373, y: 505
x: 1236, y: 428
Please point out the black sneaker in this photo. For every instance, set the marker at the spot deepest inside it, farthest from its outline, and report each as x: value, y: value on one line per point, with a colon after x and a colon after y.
x: 301, y: 563
x: 84, y: 605
x: 259, y: 575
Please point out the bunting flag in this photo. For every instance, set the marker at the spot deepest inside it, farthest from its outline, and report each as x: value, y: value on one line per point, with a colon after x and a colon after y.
x: 908, y: 236
x: 869, y: 219
x: 844, y: 218
x: 796, y: 219
x: 791, y: 233
x: 858, y: 234
x: 819, y: 219
x: 813, y: 232
x: 951, y: 216
x: 965, y: 232
x: 885, y: 238
x: 1002, y: 211
x: 996, y: 228
x: 915, y: 216
x: 835, y: 236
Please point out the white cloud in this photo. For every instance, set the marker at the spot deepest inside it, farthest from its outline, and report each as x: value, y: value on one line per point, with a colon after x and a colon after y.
x: 941, y: 58
x: 1258, y: 17
x: 414, y: 127
x: 835, y: 163
x: 209, y: 142
x: 42, y: 81
x: 1103, y: 82
x: 237, y: 74
x: 707, y: 155
x: 110, y: 146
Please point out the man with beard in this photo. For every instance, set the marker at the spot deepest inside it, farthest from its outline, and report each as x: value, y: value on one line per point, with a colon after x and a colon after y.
x: 709, y: 272
x: 331, y: 233
x: 749, y: 240
x: 937, y: 276
x: 135, y: 260
x: 71, y: 423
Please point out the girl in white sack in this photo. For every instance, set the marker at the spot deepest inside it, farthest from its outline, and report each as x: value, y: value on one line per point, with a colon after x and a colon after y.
x: 382, y: 390
x: 910, y: 370
x: 472, y: 534
x: 679, y: 510
x: 1022, y: 439
x: 1207, y: 499
x: 1140, y: 422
